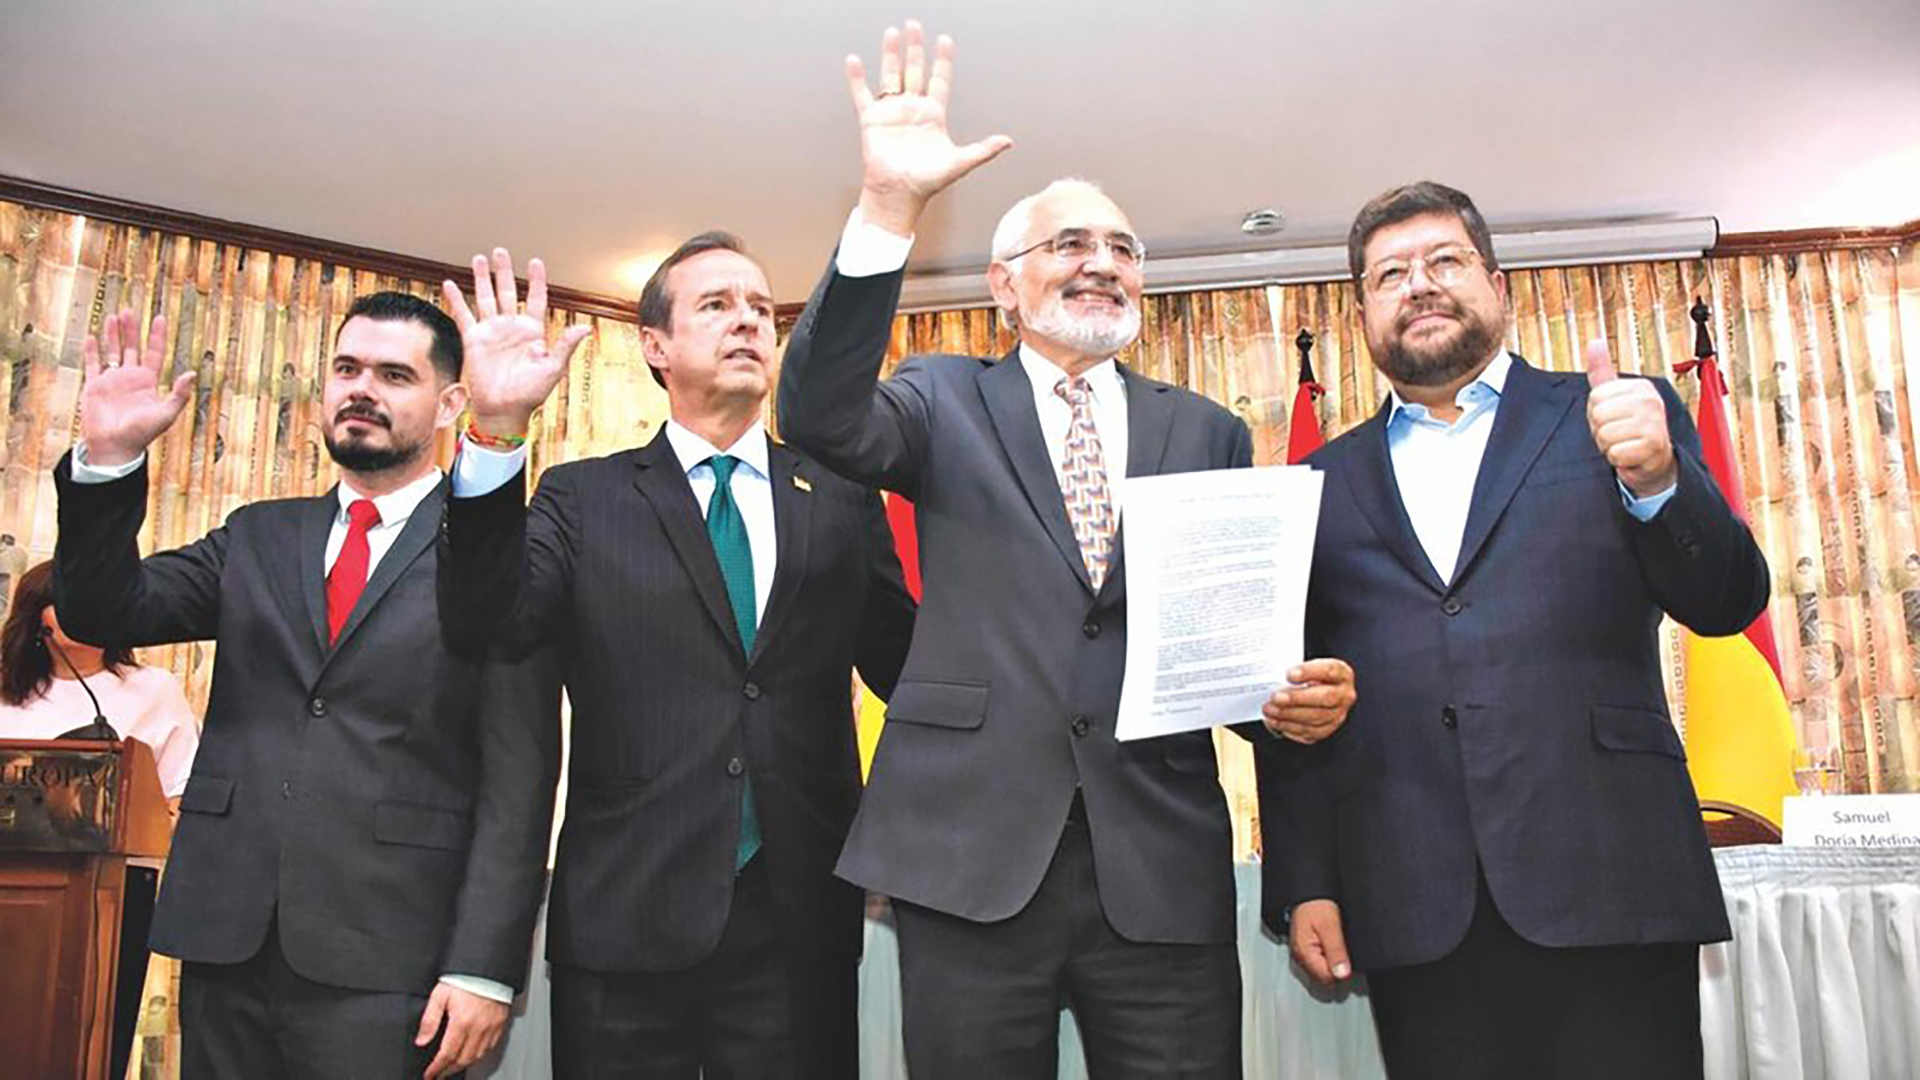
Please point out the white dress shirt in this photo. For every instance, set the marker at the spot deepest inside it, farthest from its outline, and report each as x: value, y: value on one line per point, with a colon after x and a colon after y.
x: 395, y: 508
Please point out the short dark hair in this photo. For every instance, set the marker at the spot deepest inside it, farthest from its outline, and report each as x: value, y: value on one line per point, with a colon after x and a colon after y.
x: 1412, y: 201
x: 26, y: 663
x: 445, y: 351
x: 656, y: 302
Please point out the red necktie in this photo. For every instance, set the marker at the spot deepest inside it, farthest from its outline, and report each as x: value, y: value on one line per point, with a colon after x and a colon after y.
x: 348, y: 578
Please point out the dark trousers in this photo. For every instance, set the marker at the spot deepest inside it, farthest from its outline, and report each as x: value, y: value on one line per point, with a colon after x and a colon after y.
x: 984, y: 999
x: 1502, y: 1008
x: 743, y: 1013
x: 260, y: 1018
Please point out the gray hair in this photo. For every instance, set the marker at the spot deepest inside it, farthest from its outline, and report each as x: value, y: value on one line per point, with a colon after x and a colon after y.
x: 1011, y: 234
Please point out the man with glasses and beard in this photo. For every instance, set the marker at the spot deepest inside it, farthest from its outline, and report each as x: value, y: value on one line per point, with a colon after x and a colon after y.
x: 1504, y: 838
x: 362, y: 841
x: 1034, y: 860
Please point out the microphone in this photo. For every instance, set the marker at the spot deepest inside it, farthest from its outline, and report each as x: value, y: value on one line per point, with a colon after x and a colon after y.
x: 99, y: 728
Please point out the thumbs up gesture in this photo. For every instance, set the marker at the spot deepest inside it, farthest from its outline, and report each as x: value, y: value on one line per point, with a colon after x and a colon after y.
x: 1629, y: 424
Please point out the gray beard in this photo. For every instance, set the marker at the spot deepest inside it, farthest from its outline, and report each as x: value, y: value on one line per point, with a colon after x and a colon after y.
x: 1086, y: 336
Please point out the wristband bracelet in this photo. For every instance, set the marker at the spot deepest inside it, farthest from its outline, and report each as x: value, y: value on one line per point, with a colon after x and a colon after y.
x: 493, y: 442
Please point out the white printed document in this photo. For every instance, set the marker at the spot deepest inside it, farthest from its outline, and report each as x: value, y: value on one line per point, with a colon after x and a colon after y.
x: 1217, y: 565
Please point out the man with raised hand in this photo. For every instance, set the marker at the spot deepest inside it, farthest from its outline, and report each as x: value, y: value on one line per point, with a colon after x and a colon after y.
x: 713, y: 591
x: 1504, y: 838
x: 362, y: 842
x: 1034, y: 860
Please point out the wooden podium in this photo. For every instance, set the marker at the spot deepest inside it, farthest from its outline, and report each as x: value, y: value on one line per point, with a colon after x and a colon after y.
x: 71, y: 812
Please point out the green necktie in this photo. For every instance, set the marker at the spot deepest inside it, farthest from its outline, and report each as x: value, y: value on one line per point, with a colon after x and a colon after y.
x: 729, y: 535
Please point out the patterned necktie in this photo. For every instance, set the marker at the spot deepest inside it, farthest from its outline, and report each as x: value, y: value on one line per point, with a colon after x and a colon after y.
x: 729, y: 535
x: 1089, y: 505
x: 348, y: 578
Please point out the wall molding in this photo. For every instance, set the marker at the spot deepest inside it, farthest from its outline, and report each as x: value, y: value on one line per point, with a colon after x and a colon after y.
x: 142, y: 215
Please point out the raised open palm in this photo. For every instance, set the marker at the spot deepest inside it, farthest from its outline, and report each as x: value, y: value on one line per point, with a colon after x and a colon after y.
x: 906, y: 149
x: 509, y: 365
x: 122, y: 408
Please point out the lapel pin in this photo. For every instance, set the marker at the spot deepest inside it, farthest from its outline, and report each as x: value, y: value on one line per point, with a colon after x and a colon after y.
x: 802, y: 483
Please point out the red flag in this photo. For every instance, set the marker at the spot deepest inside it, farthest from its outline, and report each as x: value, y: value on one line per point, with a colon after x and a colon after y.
x: 1716, y: 448
x: 906, y: 540
x: 1303, y: 429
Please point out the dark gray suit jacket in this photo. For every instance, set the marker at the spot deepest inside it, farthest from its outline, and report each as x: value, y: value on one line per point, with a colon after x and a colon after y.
x: 385, y: 802
x: 613, y: 561
x: 1516, y: 717
x: 1008, y: 699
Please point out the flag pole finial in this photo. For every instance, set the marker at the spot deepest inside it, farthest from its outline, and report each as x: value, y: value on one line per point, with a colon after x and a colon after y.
x: 1702, y: 337
x: 1304, y: 342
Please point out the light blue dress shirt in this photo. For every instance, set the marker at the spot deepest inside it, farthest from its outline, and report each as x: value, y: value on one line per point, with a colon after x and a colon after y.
x: 1435, y: 464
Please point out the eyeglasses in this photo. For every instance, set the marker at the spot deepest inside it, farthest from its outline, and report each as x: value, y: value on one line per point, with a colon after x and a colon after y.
x: 1444, y: 266
x: 1079, y: 245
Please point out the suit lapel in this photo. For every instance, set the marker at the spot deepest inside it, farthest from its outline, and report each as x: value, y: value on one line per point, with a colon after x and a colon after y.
x: 1377, y: 493
x: 1531, y: 407
x: 792, y: 515
x: 1149, y: 423
x: 663, y: 483
x: 1008, y: 395
x: 421, y: 530
x: 315, y: 522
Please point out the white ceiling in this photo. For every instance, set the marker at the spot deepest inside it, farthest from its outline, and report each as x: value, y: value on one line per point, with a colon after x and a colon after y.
x: 595, y: 131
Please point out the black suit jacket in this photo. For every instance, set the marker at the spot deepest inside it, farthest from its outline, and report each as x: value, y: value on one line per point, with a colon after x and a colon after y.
x: 384, y: 801
x: 612, y: 560
x: 1008, y: 700
x: 1514, y: 718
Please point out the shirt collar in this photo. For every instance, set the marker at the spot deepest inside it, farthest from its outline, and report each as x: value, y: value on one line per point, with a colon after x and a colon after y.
x: 1104, y: 377
x: 1490, y: 385
x: 395, y: 506
x: 693, y: 451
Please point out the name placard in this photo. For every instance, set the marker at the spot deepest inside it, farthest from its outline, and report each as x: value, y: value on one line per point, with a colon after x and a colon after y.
x: 1852, y: 821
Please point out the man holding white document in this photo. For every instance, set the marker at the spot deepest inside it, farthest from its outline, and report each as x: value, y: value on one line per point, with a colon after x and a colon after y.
x: 999, y: 795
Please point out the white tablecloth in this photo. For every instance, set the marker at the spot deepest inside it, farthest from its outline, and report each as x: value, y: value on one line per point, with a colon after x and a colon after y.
x: 1822, y: 978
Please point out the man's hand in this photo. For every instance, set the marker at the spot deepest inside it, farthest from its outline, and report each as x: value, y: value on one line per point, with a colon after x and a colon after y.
x: 1629, y: 424
x: 509, y: 366
x: 907, y: 154
x: 1318, y: 942
x: 474, y: 1026
x: 1315, y: 705
x: 121, y: 410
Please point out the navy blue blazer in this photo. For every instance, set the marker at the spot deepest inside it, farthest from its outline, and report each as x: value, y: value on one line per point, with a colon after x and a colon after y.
x: 1514, y: 719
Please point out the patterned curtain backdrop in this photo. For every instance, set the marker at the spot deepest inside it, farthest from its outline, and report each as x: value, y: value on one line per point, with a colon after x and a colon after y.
x: 1815, y: 347
x: 257, y: 326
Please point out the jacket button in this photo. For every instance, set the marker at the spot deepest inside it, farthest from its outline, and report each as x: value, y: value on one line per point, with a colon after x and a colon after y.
x: 1449, y: 717
x: 1090, y: 628
x: 735, y: 766
x: 318, y: 706
x: 1080, y: 725
x: 1451, y: 605
x: 752, y: 691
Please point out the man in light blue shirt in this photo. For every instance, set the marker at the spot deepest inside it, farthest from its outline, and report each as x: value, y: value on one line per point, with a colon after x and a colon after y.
x: 1504, y: 838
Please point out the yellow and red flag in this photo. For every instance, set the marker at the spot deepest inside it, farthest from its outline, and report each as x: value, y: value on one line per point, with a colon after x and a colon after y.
x: 1740, y: 740
x: 906, y: 543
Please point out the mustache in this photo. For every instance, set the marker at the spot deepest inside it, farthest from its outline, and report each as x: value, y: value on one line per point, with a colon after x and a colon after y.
x: 1435, y: 307
x: 362, y: 411
x: 1081, y: 285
